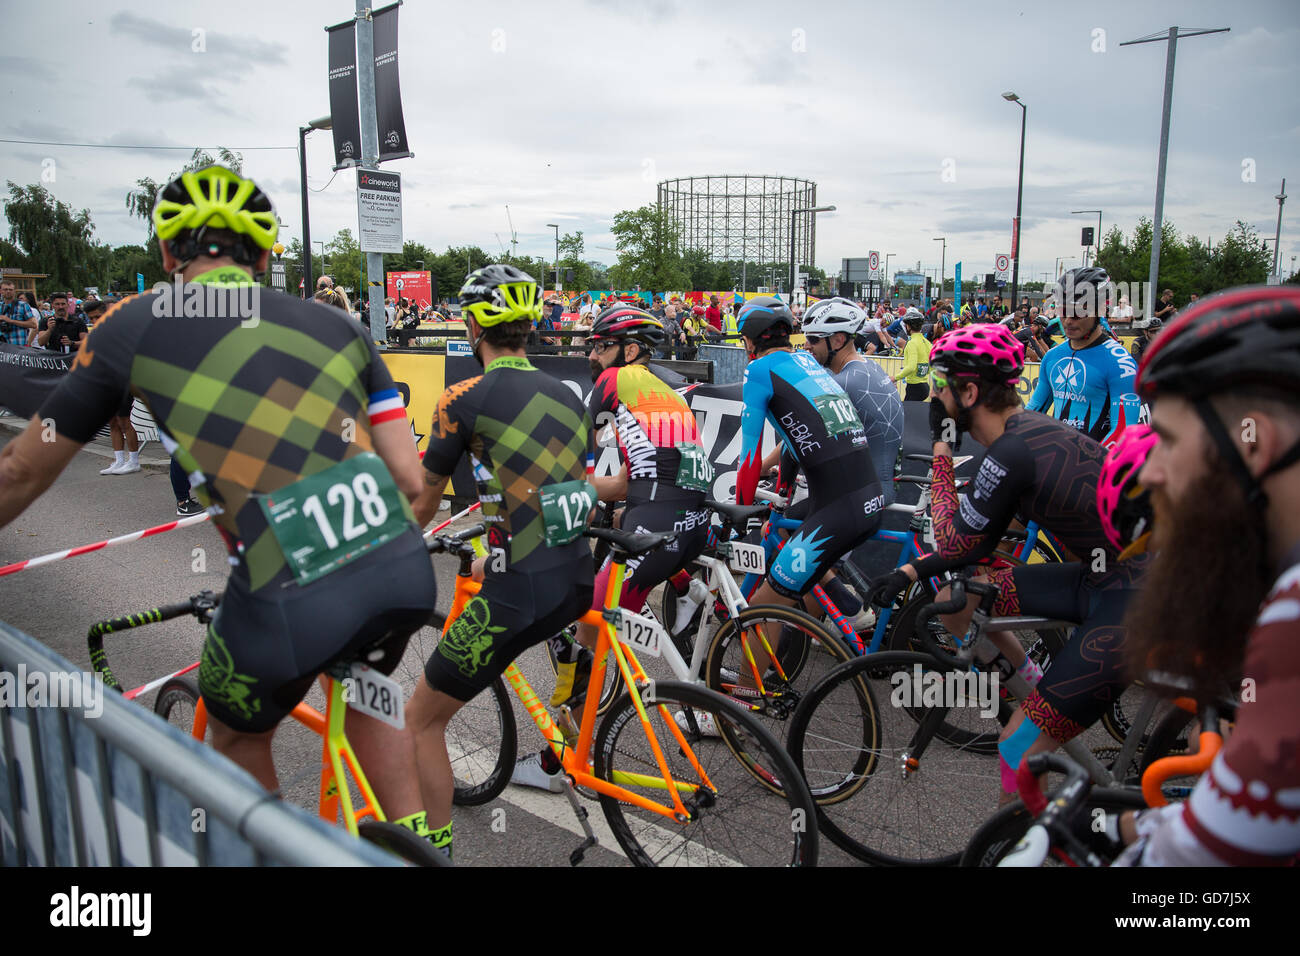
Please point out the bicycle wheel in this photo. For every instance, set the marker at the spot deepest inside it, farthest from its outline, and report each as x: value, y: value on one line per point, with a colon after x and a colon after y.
x: 736, y: 821
x: 963, y: 728
x: 1000, y: 833
x: 482, y: 739
x: 807, y: 651
x: 176, y: 702
x: 613, y: 678
x: 888, y: 792
x: 402, y: 842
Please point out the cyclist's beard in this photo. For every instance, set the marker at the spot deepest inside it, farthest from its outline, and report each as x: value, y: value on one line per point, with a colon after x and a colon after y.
x: 1202, y: 591
x: 596, y: 369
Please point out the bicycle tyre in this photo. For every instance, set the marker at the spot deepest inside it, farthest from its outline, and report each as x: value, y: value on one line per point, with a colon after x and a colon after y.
x: 876, y: 799
x: 401, y: 842
x: 482, y: 739
x: 760, y: 824
x: 807, y: 652
x: 176, y: 702
x: 1000, y: 833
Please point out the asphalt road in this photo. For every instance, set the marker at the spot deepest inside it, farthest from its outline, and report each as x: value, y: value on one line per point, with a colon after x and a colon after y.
x: 56, y: 604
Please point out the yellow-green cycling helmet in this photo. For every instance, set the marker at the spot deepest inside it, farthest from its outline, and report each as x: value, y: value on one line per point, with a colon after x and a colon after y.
x: 218, y: 198
x: 500, y: 293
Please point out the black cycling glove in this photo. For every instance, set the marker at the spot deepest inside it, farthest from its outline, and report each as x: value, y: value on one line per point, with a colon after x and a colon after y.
x: 884, y: 590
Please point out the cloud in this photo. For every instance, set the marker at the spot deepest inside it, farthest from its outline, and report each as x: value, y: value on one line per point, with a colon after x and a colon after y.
x: 245, y: 50
x: 179, y: 83
x: 26, y: 66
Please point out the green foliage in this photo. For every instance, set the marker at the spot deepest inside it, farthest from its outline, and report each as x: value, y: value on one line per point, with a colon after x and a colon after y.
x: 1187, y: 265
x: 647, y: 240
x: 54, y: 239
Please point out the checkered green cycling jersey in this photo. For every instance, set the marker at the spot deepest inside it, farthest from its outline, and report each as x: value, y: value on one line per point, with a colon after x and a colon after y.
x: 253, y: 394
x: 523, y: 430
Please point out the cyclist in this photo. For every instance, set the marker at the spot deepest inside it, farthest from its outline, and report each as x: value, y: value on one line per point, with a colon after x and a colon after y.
x: 916, y: 359
x: 271, y: 405
x: 821, y: 433
x: 664, y: 475
x: 1222, y: 599
x: 1140, y: 344
x: 1087, y: 381
x: 1044, y: 471
x: 527, y: 438
x: 830, y: 328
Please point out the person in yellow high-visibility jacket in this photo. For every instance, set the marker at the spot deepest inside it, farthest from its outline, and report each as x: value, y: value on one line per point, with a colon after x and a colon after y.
x: 730, y: 330
x: 916, y: 359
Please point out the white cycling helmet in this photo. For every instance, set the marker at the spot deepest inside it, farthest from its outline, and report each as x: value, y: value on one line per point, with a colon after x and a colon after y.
x: 914, y: 316
x: 833, y: 315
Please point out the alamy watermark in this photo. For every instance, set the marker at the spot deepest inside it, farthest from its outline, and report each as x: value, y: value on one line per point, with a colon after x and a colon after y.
x: 197, y: 300
x: 1109, y: 299
x: 929, y: 688
x: 67, y: 690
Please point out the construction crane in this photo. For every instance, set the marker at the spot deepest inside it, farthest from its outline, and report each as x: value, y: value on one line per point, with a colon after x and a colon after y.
x: 514, y: 236
x: 500, y: 243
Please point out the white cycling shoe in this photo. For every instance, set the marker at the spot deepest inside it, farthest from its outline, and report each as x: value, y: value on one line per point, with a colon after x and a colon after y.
x: 528, y: 772
x: 704, y: 720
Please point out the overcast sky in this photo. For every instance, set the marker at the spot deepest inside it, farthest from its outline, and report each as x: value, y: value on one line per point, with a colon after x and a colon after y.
x: 583, y: 106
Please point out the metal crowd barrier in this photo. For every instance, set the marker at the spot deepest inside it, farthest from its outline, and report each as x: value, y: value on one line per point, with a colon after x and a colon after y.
x: 122, y: 788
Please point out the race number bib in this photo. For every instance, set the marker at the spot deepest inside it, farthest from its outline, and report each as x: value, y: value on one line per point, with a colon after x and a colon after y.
x: 695, y: 473
x: 330, y: 519
x: 565, y: 507
x: 375, y: 695
x: 642, y: 633
x: 922, y: 369
x: 837, y: 414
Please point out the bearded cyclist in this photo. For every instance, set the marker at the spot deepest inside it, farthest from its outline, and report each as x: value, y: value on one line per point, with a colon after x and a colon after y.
x: 267, y: 402
x: 1088, y: 380
x: 1222, y: 599
x: 1044, y: 471
x: 527, y: 436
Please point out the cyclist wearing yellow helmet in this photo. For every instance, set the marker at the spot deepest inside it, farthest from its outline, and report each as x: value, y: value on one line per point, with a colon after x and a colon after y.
x: 284, y: 426
x: 528, y: 441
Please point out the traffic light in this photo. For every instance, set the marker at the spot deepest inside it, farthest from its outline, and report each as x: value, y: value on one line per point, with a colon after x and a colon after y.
x: 1087, y: 236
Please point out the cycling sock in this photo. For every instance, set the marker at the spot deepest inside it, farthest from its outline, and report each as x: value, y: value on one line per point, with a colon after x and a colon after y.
x: 844, y: 599
x: 680, y: 582
x: 1013, y: 749
x: 133, y: 457
x: 1008, y: 776
x: 415, y: 822
x: 1030, y: 671
x: 119, y: 458
x: 441, y: 838
x: 550, y: 763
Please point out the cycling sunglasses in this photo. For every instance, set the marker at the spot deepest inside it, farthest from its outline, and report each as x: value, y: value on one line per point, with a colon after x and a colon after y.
x: 938, y: 379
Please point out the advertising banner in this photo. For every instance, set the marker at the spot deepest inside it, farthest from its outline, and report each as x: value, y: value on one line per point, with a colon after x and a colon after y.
x: 379, y: 210
x: 417, y: 286
x: 344, y: 115
x: 388, y: 91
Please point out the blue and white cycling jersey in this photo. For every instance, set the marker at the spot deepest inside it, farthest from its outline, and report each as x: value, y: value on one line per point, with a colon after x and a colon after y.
x: 1091, y: 389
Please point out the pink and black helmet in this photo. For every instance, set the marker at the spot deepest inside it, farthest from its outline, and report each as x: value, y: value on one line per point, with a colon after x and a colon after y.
x: 988, y: 351
x: 1124, y: 505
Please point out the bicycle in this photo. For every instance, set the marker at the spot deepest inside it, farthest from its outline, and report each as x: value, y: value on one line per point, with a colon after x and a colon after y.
x: 749, y: 790
x: 180, y: 703
x: 847, y: 744
x: 1034, y: 829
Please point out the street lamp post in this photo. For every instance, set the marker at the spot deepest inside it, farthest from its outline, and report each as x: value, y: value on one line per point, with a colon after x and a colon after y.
x: 1080, y: 212
x: 1277, y: 239
x: 943, y: 261
x: 888, y: 256
x: 1059, y: 260
x: 551, y: 225
x: 323, y: 123
x: 1020, y: 186
x: 793, y: 213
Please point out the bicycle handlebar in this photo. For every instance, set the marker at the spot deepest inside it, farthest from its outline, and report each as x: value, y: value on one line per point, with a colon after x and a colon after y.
x: 955, y: 602
x: 200, y: 605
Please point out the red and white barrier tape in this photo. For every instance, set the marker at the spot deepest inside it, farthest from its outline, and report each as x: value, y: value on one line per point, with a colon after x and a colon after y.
x: 87, y: 548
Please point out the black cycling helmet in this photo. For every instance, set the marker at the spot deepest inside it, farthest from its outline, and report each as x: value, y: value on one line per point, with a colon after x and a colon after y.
x: 1155, y: 325
x: 627, y: 323
x: 1243, y: 337
x: 765, y: 317
x: 1082, y: 286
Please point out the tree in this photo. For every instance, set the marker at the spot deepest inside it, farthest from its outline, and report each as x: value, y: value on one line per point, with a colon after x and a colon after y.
x: 1242, y: 258
x: 343, y: 258
x: 647, y: 239
x: 141, y: 200
x: 53, y: 238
